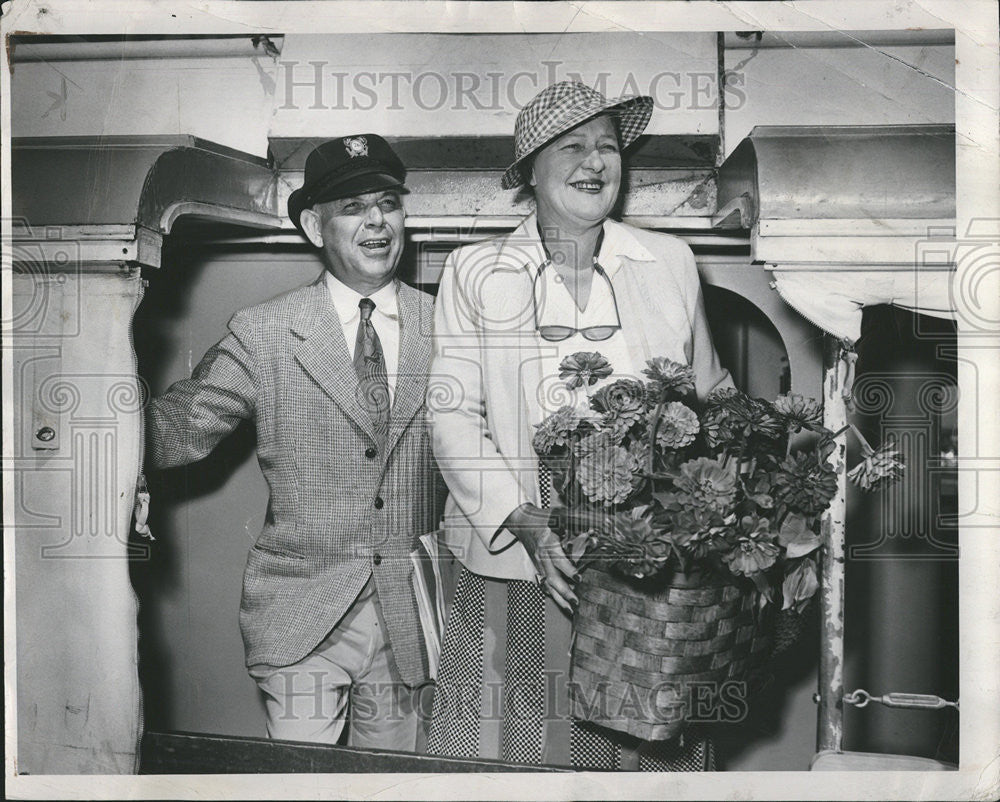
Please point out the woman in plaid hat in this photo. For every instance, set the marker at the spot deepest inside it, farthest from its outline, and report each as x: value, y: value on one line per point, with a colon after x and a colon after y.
x: 509, y: 310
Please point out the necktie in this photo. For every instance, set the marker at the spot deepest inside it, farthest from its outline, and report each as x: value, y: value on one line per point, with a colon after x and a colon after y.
x: 369, y: 364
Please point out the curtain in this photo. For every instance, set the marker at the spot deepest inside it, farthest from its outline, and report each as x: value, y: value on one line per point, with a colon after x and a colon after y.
x: 833, y: 299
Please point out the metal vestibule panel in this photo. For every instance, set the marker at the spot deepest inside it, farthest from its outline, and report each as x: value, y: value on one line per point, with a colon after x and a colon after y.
x: 88, y: 213
x: 877, y: 202
x: 454, y: 181
x: 83, y: 202
x: 76, y: 448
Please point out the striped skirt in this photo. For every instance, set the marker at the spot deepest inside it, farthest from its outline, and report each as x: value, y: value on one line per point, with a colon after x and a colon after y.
x: 502, y: 689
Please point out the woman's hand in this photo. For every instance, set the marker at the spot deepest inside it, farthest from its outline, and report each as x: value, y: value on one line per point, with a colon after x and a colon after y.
x: 530, y: 525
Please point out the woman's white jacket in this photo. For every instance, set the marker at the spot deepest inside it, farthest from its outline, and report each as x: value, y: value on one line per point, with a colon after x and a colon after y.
x: 489, y: 363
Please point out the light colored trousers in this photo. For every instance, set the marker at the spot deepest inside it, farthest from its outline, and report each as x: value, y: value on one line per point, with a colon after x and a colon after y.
x: 350, y: 676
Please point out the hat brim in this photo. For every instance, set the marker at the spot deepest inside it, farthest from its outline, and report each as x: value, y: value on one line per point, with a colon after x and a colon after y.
x: 373, y: 180
x: 633, y: 112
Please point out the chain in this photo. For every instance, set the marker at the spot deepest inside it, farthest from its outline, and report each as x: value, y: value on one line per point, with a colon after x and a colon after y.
x: 860, y: 698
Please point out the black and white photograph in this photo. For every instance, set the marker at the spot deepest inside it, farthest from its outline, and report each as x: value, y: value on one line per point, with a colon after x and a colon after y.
x: 501, y: 400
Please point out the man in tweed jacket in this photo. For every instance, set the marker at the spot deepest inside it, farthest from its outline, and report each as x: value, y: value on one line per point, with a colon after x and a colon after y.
x: 328, y: 614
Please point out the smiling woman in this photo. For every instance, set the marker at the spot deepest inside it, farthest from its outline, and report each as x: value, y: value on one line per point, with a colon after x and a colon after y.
x: 576, y: 180
x: 511, y: 313
x: 577, y: 177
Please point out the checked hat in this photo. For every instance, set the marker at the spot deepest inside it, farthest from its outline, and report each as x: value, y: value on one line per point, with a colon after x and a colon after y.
x: 562, y: 106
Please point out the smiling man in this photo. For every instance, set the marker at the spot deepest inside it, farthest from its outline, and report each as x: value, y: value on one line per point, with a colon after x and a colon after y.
x: 333, y: 375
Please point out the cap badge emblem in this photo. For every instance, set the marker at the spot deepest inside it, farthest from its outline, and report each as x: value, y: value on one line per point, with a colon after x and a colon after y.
x: 356, y: 146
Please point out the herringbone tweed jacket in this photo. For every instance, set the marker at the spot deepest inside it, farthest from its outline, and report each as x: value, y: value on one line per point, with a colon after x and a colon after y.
x: 338, y: 511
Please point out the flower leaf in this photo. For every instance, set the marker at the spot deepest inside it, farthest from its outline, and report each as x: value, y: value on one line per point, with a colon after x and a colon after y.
x: 578, y: 545
x: 760, y: 581
x: 797, y: 537
x: 800, y: 585
x: 793, y: 528
x: 803, y: 546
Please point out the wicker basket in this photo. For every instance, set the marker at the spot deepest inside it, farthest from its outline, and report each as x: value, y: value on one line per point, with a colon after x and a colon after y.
x: 648, y: 657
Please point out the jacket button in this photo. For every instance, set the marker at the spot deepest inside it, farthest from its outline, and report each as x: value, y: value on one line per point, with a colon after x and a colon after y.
x: 371, y: 452
x: 379, y: 503
x: 377, y: 559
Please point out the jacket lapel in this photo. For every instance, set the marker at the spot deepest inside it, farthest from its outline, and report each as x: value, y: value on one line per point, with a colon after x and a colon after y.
x: 636, y: 314
x: 324, y: 356
x: 414, y: 361
x: 511, y: 283
x: 654, y: 322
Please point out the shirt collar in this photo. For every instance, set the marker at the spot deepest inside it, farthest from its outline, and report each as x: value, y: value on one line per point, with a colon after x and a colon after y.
x: 345, y: 300
x: 618, y: 242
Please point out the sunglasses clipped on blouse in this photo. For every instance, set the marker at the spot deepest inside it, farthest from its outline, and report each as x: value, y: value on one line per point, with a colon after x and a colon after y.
x: 556, y: 333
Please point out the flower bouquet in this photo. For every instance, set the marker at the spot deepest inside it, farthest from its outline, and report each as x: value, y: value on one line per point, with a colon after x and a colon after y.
x: 686, y: 519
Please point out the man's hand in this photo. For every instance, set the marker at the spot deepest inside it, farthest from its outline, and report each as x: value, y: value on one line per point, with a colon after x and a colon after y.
x: 529, y: 524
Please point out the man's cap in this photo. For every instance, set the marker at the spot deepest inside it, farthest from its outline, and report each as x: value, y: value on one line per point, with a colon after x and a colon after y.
x: 339, y: 168
x: 563, y: 106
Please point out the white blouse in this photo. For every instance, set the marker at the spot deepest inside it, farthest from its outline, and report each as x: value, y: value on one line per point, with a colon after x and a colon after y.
x: 557, y: 307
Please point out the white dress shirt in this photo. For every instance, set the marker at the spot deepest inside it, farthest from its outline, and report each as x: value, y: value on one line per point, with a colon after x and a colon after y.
x: 385, y: 319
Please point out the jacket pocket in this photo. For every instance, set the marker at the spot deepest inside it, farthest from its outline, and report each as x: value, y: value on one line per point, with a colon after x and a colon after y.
x: 278, y: 541
x: 270, y: 552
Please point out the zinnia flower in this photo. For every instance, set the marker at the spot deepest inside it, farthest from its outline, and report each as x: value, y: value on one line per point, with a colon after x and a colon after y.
x: 584, y: 369
x: 721, y: 395
x: 597, y: 441
x: 677, y: 427
x: 798, y: 411
x: 754, y: 552
x: 731, y: 417
x: 764, y: 422
x: 622, y: 404
x: 882, y: 466
x: 555, y: 432
x: 698, y: 532
x: 707, y: 483
x: 717, y: 426
x: 668, y: 378
x: 641, y: 549
x: 604, y: 469
x: 716, y: 421
x: 804, y: 484
x: 639, y: 449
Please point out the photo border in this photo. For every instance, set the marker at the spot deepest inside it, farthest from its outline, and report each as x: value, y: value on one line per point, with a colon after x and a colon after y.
x: 977, y: 78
